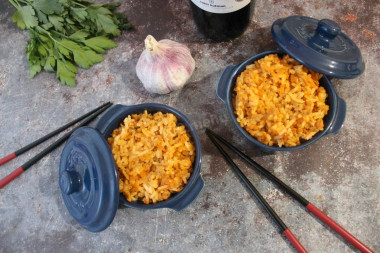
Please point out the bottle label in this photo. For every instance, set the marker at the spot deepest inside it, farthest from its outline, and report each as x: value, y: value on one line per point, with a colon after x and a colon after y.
x: 221, y: 6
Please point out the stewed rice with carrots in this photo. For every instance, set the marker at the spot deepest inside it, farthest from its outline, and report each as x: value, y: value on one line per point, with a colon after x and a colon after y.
x: 279, y: 101
x: 154, y: 156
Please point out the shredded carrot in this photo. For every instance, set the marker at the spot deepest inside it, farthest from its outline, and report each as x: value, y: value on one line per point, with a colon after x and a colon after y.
x: 279, y: 101
x: 154, y: 156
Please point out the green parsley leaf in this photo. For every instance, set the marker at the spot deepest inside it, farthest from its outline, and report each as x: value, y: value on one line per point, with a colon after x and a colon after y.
x: 35, y: 58
x: 71, y: 67
x: 79, y: 35
x: 63, y: 50
x: 100, y: 10
x: 48, y: 6
x: 79, y: 14
x: 111, y: 6
x: 25, y: 17
x: 108, y: 25
x: 56, y: 22
x: 64, y: 74
x: 47, y: 26
x: 42, y: 50
x: 43, y: 38
x: 85, y: 1
x: 85, y: 58
x: 34, y: 69
x: 69, y: 44
x: 99, y: 44
x: 41, y: 16
x: 65, y: 3
x: 16, y: 17
x: 49, y: 64
x: 69, y: 21
x: 65, y: 34
x: 103, y: 20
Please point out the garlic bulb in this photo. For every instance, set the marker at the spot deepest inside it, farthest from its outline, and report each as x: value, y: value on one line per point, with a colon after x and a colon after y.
x: 164, y: 66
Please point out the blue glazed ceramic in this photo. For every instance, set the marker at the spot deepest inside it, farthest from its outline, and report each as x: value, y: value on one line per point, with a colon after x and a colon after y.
x: 333, y: 121
x: 320, y: 45
x: 88, y: 179
x: 88, y: 175
x: 317, y: 44
x: 112, y: 119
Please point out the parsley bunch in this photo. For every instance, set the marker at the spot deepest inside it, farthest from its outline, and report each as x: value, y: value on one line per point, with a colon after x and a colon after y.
x: 65, y: 34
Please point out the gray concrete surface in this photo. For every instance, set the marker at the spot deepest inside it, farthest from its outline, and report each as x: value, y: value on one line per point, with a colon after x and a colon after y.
x: 340, y: 173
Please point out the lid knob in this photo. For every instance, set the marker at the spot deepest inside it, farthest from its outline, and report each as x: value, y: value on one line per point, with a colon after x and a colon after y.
x: 320, y: 45
x: 70, y: 181
x: 328, y: 28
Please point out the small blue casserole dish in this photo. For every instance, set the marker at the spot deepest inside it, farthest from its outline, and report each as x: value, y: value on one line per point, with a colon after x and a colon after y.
x: 88, y: 175
x: 319, y: 45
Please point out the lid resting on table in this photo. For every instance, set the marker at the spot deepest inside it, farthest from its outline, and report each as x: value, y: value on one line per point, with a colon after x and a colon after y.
x: 88, y: 179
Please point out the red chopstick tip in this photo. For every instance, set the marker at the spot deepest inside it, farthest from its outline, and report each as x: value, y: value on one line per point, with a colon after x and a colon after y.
x: 340, y: 230
x: 11, y: 176
x: 297, y: 245
x: 7, y: 158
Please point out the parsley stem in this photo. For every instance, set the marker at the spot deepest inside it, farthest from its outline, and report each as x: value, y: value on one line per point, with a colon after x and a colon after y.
x: 60, y: 34
x: 22, y: 1
x: 42, y: 43
x: 15, y: 4
x: 53, y: 31
x: 40, y: 29
x: 81, y: 5
x: 52, y: 38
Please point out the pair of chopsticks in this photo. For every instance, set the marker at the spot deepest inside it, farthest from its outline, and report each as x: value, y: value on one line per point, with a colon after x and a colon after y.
x: 284, y: 229
x: 91, y: 115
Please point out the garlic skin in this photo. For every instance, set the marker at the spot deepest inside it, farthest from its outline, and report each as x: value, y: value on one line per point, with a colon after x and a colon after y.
x: 164, y: 66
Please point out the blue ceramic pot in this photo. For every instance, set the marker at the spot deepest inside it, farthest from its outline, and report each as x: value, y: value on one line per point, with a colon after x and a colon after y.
x: 333, y: 121
x: 112, y: 120
x: 88, y: 175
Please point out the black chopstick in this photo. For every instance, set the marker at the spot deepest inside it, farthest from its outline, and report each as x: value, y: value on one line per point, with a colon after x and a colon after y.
x: 50, y: 148
x: 284, y: 229
x: 317, y: 212
x: 261, y: 169
x: 44, y: 138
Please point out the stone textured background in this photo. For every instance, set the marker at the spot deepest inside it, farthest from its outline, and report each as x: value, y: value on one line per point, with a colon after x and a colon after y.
x: 340, y: 173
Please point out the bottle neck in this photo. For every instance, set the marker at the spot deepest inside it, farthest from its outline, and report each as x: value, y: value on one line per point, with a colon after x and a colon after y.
x: 220, y: 6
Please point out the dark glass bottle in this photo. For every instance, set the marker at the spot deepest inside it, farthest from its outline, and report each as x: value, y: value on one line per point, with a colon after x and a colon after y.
x: 217, y: 21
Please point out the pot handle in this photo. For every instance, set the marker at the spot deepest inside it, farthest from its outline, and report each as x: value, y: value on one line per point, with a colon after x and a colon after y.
x: 104, y: 121
x: 221, y: 89
x: 191, y: 196
x: 340, y: 116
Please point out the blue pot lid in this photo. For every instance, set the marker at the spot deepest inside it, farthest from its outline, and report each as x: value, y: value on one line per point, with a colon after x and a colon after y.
x: 319, y: 45
x: 88, y: 179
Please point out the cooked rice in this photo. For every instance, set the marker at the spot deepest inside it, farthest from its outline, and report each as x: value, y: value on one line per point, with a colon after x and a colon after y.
x: 279, y: 101
x: 154, y: 156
